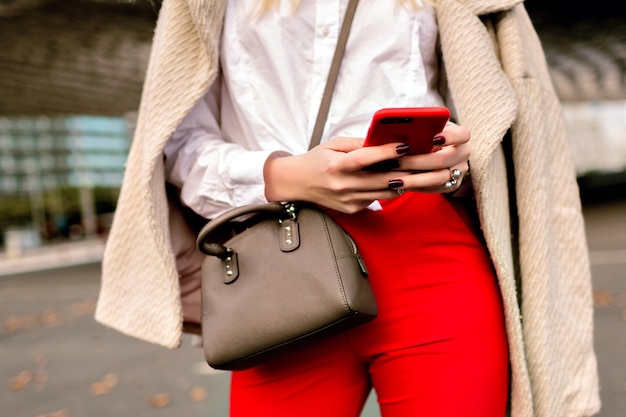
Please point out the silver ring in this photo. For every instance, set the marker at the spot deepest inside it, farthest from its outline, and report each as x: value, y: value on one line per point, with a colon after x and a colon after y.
x: 455, y: 174
x: 400, y: 192
x: 449, y: 185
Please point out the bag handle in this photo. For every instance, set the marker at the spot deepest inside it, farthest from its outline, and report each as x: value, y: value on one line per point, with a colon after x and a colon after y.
x: 273, y: 210
x: 322, y: 114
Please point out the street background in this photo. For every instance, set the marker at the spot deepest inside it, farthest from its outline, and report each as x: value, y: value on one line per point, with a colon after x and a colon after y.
x: 71, y: 76
x: 56, y: 361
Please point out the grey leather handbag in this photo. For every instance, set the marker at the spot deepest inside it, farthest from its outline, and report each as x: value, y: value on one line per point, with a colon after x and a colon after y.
x: 293, y: 275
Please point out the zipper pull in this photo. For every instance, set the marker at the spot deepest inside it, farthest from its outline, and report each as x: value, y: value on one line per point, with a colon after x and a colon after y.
x: 364, y: 270
x: 357, y: 254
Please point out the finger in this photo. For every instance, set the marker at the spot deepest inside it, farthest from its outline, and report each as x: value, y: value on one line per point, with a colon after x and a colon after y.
x: 376, y: 158
x: 429, y: 181
x: 447, y: 156
x: 353, y: 202
x: 444, y: 180
x: 357, y: 157
x: 453, y: 134
x: 395, y: 193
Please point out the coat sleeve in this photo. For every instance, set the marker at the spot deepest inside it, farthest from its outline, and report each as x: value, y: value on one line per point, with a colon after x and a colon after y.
x: 140, y: 292
x: 556, y: 294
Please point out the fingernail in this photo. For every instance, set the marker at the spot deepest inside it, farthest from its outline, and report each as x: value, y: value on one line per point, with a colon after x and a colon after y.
x: 402, y: 149
x: 439, y: 140
x: 395, y: 183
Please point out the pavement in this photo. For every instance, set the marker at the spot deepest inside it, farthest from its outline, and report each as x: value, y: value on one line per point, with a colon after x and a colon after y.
x: 59, y: 255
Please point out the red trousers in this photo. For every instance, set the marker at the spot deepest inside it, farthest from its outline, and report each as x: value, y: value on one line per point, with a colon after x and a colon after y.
x: 438, y: 346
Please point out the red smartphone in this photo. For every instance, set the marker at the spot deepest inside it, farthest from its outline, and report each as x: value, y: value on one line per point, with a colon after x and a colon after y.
x: 415, y: 126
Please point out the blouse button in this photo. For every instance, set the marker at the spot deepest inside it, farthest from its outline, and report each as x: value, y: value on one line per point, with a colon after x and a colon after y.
x: 325, y: 31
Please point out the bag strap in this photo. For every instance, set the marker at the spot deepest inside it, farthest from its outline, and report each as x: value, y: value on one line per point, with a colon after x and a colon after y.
x: 322, y: 114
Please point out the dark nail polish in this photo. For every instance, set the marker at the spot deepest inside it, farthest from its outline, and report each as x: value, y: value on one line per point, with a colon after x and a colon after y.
x: 395, y: 183
x: 439, y: 141
x: 402, y: 149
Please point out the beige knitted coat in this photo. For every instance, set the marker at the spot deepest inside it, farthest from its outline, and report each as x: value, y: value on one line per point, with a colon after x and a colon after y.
x: 498, y: 80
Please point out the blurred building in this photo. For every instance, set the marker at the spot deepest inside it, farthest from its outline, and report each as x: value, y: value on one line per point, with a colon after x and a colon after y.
x: 45, y: 153
x: 51, y: 168
x: 597, y: 131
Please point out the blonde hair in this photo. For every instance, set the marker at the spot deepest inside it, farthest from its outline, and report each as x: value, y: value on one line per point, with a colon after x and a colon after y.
x: 267, y: 5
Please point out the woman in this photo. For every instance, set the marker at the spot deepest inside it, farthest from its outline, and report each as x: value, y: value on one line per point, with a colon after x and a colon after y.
x: 452, y: 289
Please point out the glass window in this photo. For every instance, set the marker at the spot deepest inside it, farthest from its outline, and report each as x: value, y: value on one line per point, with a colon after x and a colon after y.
x: 9, y: 184
x: 45, y: 141
x: 8, y: 163
x: 49, y: 182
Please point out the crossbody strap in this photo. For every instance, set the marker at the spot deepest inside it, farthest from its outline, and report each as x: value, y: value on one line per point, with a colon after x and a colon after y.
x: 322, y: 114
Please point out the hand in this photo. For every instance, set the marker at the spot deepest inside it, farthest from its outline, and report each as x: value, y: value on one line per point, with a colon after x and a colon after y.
x: 332, y: 175
x: 441, y: 171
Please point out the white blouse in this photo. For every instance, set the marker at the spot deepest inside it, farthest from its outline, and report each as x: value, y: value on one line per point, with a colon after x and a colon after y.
x: 274, y: 70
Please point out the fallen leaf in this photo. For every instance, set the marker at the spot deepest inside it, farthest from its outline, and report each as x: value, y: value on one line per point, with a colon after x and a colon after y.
x: 12, y: 324
x: 198, y: 394
x: 21, y: 381
x: 160, y: 400
x: 104, y: 386
x: 602, y: 298
x: 110, y: 380
x: 51, y: 318
x: 99, y: 388
x: 83, y: 308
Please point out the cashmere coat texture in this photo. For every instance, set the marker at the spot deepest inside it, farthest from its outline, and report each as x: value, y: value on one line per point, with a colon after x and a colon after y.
x: 522, y: 174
